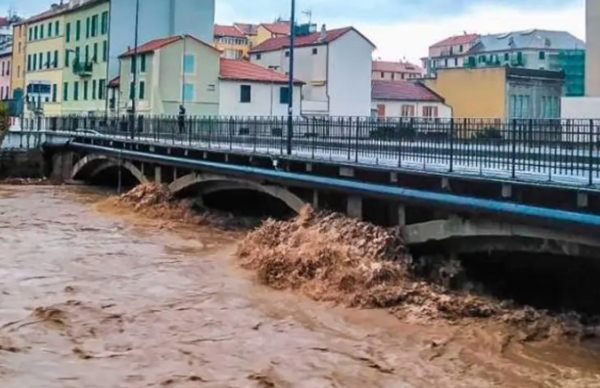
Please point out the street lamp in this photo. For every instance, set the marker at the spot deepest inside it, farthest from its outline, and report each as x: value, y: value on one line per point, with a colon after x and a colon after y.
x: 273, y: 68
x: 290, y: 128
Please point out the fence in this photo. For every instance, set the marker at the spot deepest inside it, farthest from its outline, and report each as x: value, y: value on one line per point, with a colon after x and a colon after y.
x: 520, y: 148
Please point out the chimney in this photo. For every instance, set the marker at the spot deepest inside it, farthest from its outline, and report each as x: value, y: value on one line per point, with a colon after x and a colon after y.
x: 323, y: 32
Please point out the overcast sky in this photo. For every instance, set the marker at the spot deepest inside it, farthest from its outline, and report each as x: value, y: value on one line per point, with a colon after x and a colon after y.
x: 399, y: 28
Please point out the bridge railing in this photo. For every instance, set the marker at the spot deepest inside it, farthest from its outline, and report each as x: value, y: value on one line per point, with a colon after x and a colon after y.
x: 565, y: 151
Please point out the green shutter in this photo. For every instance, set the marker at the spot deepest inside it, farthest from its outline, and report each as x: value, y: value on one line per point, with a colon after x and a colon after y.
x: 66, y: 91
x: 68, y: 32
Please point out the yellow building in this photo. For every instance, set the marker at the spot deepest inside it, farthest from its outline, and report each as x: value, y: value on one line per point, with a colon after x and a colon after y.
x: 44, y: 53
x: 17, y: 74
x: 231, y: 41
x: 499, y: 92
x: 267, y: 31
x: 84, y: 87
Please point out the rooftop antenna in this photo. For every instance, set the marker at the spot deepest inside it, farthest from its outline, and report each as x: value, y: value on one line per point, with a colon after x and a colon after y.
x: 308, y: 14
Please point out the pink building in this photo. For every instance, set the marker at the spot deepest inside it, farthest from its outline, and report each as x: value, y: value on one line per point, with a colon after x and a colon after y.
x: 5, y: 61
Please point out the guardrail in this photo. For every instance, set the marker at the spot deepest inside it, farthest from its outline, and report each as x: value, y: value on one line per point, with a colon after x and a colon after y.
x: 561, y: 151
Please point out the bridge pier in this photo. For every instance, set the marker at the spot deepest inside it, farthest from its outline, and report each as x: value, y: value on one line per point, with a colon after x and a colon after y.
x: 315, y: 199
x: 397, y: 214
x: 158, y: 175
x: 354, y: 207
x: 62, y: 163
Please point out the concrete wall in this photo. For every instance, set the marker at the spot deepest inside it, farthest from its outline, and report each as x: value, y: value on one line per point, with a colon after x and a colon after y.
x: 592, y: 67
x: 349, y: 68
x: 158, y: 19
x: 472, y: 93
x: 580, y: 107
x: 262, y: 95
x: 21, y: 164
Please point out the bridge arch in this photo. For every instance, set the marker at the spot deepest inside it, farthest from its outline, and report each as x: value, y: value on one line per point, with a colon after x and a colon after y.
x: 91, y: 165
x: 209, y: 183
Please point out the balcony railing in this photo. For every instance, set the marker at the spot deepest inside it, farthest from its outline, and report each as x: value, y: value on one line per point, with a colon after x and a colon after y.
x: 83, y: 69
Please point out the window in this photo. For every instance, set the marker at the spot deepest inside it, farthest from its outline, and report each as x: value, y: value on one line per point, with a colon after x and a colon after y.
x: 93, y: 89
x: 315, y: 51
x: 101, y: 89
x: 188, y: 64
x: 41, y: 31
x: 88, y: 26
x: 430, y: 111
x: 104, y: 23
x: 393, y: 76
x: 519, y: 57
x: 143, y: 90
x: 35, y: 33
x: 245, y: 93
x: 284, y: 95
x: 131, y: 90
x: 68, y: 32
x: 34, y: 62
x: 258, y: 57
x: 55, y: 60
x: 54, y: 96
x: 40, y: 60
x: 188, y: 92
x: 132, y: 64
x: 95, y: 25
x: 287, y: 53
x: 460, y: 48
x: 455, y: 62
x: 50, y: 30
x: 28, y: 62
x: 77, y: 30
x: 542, y: 55
x: 143, y: 63
x: 30, y: 34
x: 3, y: 68
x: 76, y: 90
x: 95, y: 53
x: 56, y: 28
x: 77, y: 53
x: 87, y: 53
x: 408, y: 111
x: 104, y: 51
x: 85, y: 90
x: 48, y: 60
x: 67, y: 58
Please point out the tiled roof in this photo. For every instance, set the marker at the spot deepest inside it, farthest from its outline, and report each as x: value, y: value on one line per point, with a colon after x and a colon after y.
x: 454, y: 40
x: 277, y: 28
x: 531, y: 39
x: 403, y: 91
x: 397, y: 67
x: 60, y: 9
x: 115, y: 82
x: 278, y: 43
x: 156, y: 44
x: 246, y: 28
x: 241, y: 70
x: 229, y: 31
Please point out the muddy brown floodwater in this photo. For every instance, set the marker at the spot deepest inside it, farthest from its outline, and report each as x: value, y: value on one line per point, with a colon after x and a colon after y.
x: 91, y: 299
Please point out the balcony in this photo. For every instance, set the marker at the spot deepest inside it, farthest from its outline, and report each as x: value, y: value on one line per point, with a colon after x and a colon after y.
x: 83, y: 69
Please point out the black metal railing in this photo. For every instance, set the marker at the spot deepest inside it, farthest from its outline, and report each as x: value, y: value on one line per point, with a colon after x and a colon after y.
x: 565, y: 151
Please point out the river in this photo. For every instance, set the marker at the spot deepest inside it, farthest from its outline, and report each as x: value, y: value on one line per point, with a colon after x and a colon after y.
x: 92, y: 298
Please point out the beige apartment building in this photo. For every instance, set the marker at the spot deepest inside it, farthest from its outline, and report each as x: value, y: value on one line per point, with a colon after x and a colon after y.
x: 592, y: 67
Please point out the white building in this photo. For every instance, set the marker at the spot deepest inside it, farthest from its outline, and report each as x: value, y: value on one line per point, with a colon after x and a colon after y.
x: 407, y: 99
x: 247, y: 89
x: 336, y: 66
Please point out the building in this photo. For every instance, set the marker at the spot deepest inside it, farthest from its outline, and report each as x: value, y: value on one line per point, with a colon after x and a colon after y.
x: 531, y: 49
x: 499, y: 92
x: 44, y: 60
x: 85, y: 58
x: 247, y: 89
x: 157, y: 19
x: 266, y: 31
x: 592, y: 25
x: 407, y: 99
x: 173, y: 71
x: 233, y: 43
x: 391, y: 71
x: 335, y: 65
x: 17, y: 73
x: 5, y: 71
x: 449, y: 53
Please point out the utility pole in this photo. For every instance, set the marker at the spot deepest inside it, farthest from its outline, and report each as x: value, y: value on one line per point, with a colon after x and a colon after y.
x: 132, y: 122
x: 290, y: 124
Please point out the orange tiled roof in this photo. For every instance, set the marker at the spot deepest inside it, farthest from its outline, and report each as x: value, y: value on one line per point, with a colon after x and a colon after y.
x: 241, y: 70
x: 229, y: 31
x: 277, y: 28
x: 454, y: 40
x: 156, y: 44
x: 397, y: 67
x: 278, y: 43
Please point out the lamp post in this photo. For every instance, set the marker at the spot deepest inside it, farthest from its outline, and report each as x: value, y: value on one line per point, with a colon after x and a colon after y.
x: 134, y: 68
x: 274, y: 68
x: 290, y: 128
